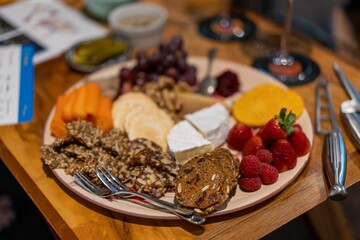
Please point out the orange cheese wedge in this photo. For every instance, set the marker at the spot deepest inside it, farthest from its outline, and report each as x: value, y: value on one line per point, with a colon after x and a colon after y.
x: 256, y: 107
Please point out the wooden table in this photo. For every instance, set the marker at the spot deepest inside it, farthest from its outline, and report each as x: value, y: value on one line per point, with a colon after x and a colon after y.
x: 72, y: 217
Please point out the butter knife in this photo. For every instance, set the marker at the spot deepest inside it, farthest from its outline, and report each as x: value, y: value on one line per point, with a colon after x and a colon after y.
x: 350, y: 108
x: 334, y: 151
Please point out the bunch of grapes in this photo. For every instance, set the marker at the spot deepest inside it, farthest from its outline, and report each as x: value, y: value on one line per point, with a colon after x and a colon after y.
x: 170, y: 60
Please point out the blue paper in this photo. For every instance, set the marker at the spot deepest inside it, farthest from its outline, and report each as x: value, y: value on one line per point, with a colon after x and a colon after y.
x: 16, y: 84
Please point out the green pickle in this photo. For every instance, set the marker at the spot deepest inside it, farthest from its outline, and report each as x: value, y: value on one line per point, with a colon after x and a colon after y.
x: 96, y: 52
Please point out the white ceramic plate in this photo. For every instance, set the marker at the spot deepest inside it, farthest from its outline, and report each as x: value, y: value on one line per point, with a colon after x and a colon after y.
x: 241, y: 200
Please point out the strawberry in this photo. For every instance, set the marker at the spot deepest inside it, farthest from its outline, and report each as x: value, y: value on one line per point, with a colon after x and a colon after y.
x: 250, y: 184
x: 250, y: 166
x: 253, y: 145
x: 284, y: 156
x: 299, y: 142
x: 238, y: 136
x: 296, y: 125
x: 278, y: 127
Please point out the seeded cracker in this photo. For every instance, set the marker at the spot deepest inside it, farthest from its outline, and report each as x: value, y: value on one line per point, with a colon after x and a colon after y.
x: 140, y: 164
x: 84, y: 132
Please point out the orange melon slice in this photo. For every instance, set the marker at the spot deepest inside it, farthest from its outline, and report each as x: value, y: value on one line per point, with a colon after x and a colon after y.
x: 256, y: 107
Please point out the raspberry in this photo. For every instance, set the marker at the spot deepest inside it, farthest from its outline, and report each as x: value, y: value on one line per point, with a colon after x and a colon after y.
x: 250, y: 184
x: 268, y: 174
x: 250, y: 166
x: 264, y: 155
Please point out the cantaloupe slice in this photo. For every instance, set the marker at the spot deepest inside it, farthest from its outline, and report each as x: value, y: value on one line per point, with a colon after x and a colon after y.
x: 256, y: 107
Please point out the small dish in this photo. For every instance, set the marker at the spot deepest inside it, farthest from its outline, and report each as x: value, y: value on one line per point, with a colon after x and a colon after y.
x: 100, y: 9
x: 141, y: 24
x: 310, y: 70
x: 236, y: 28
x: 91, y: 55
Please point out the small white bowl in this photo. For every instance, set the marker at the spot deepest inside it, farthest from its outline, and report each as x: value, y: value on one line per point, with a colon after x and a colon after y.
x: 101, y: 8
x: 141, y: 24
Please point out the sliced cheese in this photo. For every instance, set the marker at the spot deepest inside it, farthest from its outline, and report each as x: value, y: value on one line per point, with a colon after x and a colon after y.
x: 212, y: 122
x: 151, y: 127
x: 185, y: 142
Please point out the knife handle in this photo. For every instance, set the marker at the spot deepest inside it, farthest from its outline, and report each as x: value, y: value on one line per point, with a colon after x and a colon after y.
x: 352, y: 124
x: 334, y: 160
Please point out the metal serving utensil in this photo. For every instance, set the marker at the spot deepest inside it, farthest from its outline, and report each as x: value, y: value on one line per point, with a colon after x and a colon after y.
x: 188, y: 215
x: 209, y: 83
x: 334, y: 151
x: 350, y: 108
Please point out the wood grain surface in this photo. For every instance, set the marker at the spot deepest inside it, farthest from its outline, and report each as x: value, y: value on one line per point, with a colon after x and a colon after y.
x: 74, y: 218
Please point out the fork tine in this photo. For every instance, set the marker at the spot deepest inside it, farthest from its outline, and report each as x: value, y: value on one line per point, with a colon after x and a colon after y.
x: 84, y: 182
x: 81, y: 183
x: 114, y: 180
x: 119, y: 183
x: 87, y: 184
x: 105, y: 180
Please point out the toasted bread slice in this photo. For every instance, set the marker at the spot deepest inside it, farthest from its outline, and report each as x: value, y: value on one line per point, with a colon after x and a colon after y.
x: 205, y: 182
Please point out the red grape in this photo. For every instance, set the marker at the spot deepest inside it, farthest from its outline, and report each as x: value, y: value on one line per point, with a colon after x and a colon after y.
x: 140, y: 79
x: 170, y: 60
x: 173, y: 73
x: 181, y: 64
x: 177, y: 42
x: 155, y: 58
x: 126, y: 74
x: 152, y: 77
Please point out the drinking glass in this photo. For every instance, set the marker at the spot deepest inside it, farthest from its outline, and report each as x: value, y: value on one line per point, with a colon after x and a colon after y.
x: 226, y: 26
x: 288, y: 67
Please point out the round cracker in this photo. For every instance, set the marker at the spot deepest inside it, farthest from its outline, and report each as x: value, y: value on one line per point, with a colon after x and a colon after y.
x: 138, y: 110
x: 131, y: 98
x: 125, y: 103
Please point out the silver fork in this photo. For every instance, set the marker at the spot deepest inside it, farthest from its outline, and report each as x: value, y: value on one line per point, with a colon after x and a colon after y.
x: 117, y: 187
x: 186, y: 214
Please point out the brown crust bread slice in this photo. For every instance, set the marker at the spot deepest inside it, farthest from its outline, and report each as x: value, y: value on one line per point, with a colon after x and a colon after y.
x: 205, y: 182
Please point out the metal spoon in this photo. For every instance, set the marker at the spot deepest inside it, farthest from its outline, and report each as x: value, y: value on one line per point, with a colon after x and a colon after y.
x: 208, y: 84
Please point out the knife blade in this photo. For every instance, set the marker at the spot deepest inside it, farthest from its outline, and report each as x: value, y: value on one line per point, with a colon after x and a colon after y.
x: 350, y: 108
x: 334, y: 151
x: 354, y: 95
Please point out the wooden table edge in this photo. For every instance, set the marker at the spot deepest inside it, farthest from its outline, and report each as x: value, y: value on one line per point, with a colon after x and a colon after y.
x: 51, y: 215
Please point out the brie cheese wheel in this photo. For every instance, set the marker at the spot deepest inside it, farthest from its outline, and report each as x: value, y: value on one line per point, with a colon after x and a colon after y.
x: 185, y: 142
x: 212, y: 122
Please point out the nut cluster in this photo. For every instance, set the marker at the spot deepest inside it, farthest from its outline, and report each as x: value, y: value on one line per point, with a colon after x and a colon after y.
x: 165, y: 94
